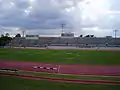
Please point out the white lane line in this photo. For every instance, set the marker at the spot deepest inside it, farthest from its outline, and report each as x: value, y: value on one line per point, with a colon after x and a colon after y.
x: 59, y: 69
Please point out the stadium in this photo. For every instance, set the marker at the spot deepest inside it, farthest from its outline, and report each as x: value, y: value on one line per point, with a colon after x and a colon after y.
x: 59, y: 45
x: 76, y: 61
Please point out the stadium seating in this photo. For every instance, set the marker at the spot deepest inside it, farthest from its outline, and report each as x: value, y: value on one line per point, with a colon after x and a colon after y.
x: 59, y: 41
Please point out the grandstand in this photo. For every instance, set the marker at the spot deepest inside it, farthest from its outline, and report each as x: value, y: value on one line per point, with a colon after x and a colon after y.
x: 66, y: 39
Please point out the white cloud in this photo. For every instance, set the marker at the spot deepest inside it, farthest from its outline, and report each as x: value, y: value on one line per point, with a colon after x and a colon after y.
x: 36, y: 15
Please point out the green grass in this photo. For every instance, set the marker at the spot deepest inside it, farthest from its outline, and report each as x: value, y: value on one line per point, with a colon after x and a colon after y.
x: 12, y: 83
x: 62, y: 56
x: 76, y: 77
x: 73, y: 76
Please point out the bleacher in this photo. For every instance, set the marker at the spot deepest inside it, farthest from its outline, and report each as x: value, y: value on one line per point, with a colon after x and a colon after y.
x: 60, y: 41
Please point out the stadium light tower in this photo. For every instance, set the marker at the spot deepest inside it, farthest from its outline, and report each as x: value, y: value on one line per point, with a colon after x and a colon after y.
x: 62, y: 26
x: 115, y: 32
x: 23, y: 33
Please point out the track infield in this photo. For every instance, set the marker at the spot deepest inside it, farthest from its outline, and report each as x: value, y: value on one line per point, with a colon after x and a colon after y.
x: 69, y: 62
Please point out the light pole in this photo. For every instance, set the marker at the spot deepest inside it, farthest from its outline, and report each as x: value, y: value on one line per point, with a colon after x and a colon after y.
x: 24, y: 40
x: 115, y: 32
x: 23, y: 32
x: 62, y: 26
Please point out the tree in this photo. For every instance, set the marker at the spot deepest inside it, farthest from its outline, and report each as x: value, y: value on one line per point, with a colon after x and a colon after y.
x: 87, y: 36
x: 2, y: 35
x: 92, y: 35
x: 4, y: 40
x: 18, y: 35
x: 81, y: 35
x: 7, y: 34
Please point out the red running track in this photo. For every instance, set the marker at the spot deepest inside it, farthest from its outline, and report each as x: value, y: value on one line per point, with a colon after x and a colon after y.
x: 64, y: 80
x: 63, y: 69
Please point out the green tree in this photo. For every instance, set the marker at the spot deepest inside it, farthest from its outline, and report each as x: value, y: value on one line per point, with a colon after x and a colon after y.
x: 18, y: 35
x: 5, y: 40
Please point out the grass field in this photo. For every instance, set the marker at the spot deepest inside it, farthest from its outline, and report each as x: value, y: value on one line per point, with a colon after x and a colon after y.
x: 62, y: 56
x: 74, y: 77
x: 12, y: 83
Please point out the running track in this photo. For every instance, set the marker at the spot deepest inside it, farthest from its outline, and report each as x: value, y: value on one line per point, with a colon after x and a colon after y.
x: 63, y: 69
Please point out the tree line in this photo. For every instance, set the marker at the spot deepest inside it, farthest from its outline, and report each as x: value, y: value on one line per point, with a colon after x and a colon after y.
x: 5, y: 40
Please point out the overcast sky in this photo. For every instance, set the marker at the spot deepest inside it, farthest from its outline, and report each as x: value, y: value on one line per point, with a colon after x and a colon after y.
x: 44, y: 17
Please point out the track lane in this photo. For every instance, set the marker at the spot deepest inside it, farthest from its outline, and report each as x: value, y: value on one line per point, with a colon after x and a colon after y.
x: 63, y: 69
